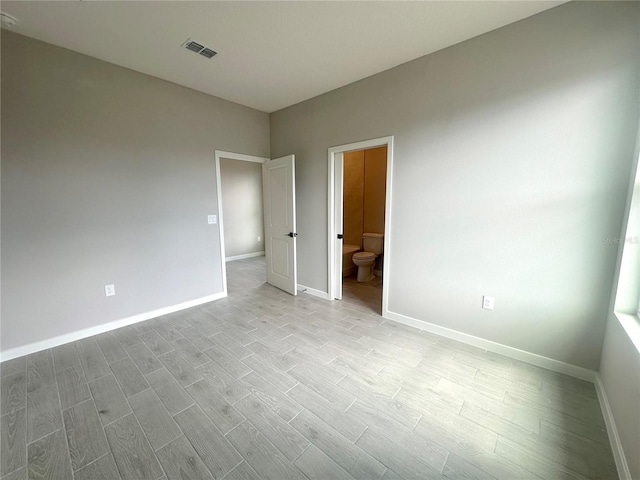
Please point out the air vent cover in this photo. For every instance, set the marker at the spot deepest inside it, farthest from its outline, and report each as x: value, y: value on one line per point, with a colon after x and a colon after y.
x: 198, y: 48
x: 207, y: 52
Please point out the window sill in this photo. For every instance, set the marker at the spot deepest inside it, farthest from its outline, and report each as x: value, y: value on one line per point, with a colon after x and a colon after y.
x: 631, y: 325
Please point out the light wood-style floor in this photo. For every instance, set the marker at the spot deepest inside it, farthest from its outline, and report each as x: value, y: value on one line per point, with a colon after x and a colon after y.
x: 265, y: 385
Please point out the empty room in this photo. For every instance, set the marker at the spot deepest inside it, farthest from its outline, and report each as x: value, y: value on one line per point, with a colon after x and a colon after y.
x: 367, y: 240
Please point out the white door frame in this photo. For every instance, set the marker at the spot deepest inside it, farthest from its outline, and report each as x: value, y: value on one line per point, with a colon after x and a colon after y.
x: 376, y: 142
x: 231, y: 156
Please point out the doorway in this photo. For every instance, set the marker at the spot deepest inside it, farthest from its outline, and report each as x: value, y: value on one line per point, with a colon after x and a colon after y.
x: 278, y: 214
x: 239, y: 186
x: 340, y: 226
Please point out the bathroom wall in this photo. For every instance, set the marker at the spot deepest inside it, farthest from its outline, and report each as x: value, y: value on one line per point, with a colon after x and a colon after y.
x: 242, y: 207
x: 364, y: 193
x: 353, y: 198
x: 375, y: 181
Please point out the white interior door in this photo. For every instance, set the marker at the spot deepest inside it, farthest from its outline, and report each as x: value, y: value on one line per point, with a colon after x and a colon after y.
x: 338, y: 192
x: 278, y: 177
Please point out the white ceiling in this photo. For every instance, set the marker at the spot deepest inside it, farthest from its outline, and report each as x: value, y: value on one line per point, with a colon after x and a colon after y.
x: 271, y: 54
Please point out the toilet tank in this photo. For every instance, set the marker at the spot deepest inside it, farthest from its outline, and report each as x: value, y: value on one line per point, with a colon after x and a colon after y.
x: 373, y: 242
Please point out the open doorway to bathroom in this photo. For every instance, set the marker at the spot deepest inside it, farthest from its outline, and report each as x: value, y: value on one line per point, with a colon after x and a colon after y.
x: 359, y: 234
x: 364, y: 178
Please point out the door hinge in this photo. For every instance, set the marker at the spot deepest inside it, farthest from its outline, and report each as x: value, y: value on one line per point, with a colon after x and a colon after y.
x: 340, y: 236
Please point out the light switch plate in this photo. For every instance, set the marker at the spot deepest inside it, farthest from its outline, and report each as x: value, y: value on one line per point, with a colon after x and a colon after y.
x: 487, y: 302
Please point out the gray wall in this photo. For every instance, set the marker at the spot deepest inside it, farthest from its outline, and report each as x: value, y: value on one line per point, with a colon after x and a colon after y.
x: 512, y: 156
x: 242, y: 206
x: 620, y: 373
x: 620, y: 361
x: 108, y: 176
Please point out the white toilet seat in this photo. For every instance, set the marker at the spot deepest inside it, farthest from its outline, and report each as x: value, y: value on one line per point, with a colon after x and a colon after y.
x: 363, y: 256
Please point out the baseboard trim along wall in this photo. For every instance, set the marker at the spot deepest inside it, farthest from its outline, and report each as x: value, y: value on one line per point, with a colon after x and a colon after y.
x: 515, y: 353
x: 540, y: 361
x: 314, y: 292
x: 105, y: 327
x: 616, y: 445
x: 244, y: 255
x: 535, y: 359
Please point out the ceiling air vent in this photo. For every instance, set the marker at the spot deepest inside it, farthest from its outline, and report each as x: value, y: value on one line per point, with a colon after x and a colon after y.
x: 199, y: 48
x: 207, y: 52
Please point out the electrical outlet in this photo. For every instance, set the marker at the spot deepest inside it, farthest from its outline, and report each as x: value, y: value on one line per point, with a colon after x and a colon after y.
x: 212, y: 219
x: 259, y: 237
x: 487, y: 302
x: 109, y: 290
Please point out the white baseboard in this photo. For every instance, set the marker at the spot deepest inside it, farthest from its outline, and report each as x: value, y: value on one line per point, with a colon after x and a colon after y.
x: 244, y: 255
x: 314, y: 292
x: 616, y: 445
x: 533, y: 358
x: 105, y: 327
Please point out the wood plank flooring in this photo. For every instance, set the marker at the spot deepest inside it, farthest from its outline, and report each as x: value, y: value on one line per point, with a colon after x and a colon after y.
x: 263, y: 385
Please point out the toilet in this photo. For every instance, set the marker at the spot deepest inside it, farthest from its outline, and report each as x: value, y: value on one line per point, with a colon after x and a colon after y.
x: 372, y: 244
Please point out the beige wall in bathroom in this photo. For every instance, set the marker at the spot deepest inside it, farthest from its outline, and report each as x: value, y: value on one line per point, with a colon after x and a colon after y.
x: 353, y: 195
x: 375, y: 181
x: 364, y: 193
